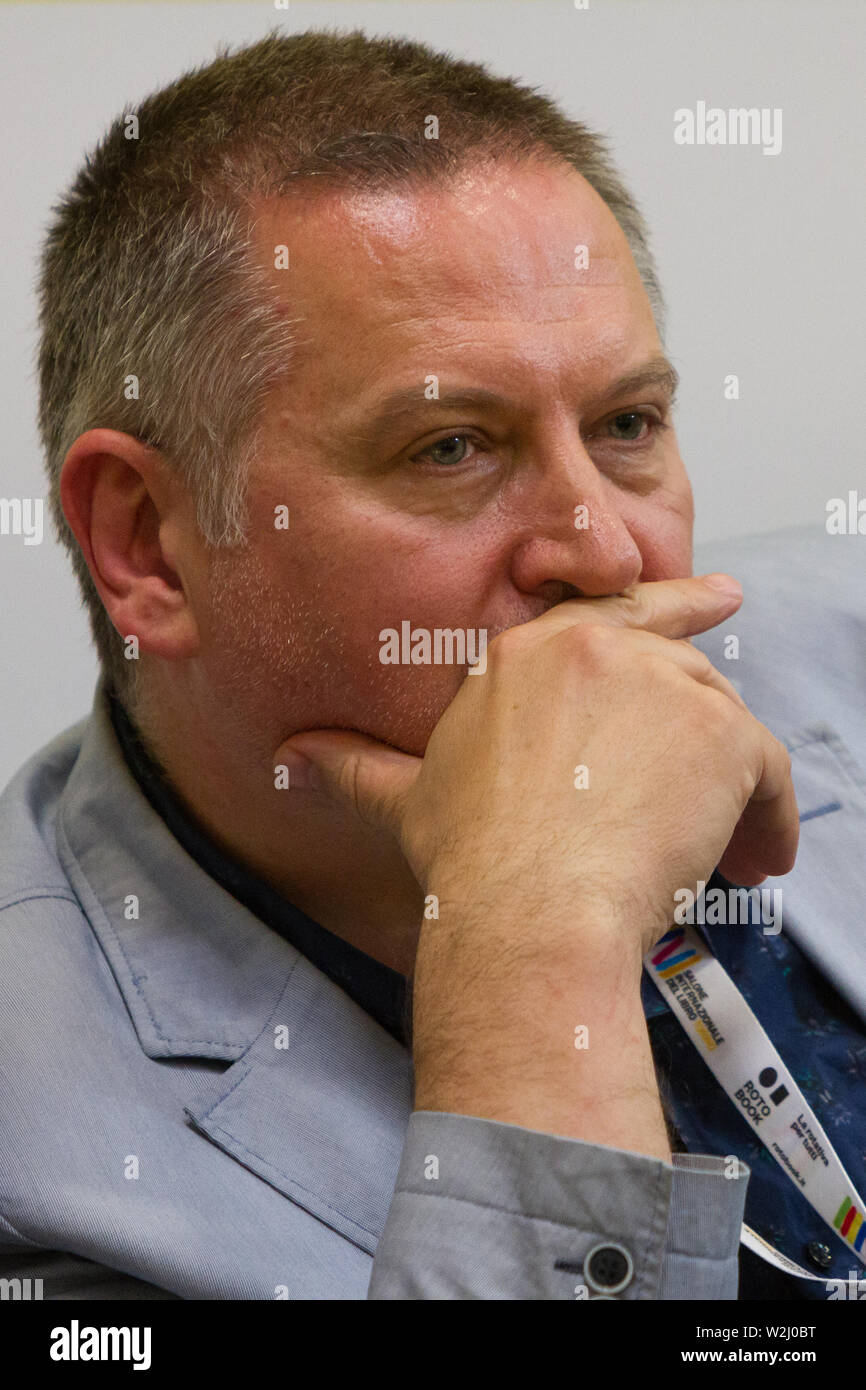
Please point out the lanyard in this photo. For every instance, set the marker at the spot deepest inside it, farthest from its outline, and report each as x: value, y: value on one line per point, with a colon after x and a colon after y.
x: 722, y: 1026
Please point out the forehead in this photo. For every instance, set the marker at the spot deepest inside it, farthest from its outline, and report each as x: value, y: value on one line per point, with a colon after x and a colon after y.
x: 498, y: 242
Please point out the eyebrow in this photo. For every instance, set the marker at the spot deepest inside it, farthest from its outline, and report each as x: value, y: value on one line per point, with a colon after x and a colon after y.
x: 407, y: 401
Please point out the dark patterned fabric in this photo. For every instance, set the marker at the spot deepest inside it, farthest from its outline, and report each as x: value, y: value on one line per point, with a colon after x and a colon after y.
x: 823, y: 1044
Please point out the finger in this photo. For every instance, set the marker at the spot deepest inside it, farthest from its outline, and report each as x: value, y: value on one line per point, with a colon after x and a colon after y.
x: 368, y: 777
x: 766, y: 836
x: 687, y: 658
x: 676, y: 608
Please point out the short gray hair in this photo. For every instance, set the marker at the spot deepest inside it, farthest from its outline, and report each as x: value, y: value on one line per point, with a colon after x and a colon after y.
x: 149, y: 268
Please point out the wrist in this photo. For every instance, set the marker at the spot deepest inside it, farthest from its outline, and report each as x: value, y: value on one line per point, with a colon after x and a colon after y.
x: 562, y: 1048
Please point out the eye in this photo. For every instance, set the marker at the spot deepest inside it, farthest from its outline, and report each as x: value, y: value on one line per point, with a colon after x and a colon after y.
x: 631, y: 424
x: 450, y: 450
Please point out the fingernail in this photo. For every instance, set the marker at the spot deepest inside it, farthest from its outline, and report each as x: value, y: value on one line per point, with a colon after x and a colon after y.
x: 723, y: 583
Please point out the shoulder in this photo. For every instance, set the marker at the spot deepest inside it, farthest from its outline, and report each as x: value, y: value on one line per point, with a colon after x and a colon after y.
x: 47, y: 951
x: 28, y: 806
x: 802, y: 564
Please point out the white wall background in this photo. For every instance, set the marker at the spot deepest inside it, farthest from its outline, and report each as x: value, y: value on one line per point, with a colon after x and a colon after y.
x: 761, y: 256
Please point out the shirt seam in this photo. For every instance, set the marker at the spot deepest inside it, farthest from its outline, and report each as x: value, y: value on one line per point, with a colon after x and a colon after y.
x: 37, y: 894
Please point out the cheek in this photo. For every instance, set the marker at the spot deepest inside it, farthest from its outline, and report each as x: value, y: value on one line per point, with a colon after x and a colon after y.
x: 298, y: 625
x: 381, y: 589
x: 662, y: 531
x: 376, y: 571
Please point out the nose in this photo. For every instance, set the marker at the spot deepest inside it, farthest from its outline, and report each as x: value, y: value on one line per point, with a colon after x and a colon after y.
x: 577, y: 542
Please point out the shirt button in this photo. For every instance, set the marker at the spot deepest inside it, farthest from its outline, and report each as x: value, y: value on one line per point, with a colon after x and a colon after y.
x: 608, y: 1268
x: 819, y: 1254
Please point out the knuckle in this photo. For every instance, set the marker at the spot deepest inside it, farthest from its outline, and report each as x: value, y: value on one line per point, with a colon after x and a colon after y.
x: 681, y: 605
x: 632, y: 604
x: 504, y: 646
x: 703, y: 666
x: 590, y: 641
x: 720, y: 708
x: 717, y: 710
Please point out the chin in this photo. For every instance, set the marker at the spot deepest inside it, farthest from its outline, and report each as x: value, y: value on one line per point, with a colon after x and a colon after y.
x: 405, y: 721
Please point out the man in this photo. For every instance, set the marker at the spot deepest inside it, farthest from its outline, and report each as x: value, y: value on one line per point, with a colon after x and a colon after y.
x: 340, y: 336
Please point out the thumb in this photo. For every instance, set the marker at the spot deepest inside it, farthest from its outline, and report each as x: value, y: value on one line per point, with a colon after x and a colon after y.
x: 369, y: 777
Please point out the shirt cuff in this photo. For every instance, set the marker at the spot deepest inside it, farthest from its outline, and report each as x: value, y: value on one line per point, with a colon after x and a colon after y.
x: 488, y: 1210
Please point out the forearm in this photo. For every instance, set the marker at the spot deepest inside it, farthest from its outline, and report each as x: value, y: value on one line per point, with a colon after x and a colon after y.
x: 561, y: 1048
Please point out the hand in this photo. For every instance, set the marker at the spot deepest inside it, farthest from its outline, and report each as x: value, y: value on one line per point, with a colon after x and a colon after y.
x: 682, y: 778
x: 551, y: 894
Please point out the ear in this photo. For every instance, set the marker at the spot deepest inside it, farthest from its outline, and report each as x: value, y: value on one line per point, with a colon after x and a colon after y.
x: 134, y: 522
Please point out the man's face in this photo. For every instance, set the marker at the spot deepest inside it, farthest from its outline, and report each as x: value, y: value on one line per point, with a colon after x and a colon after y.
x: 446, y: 513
